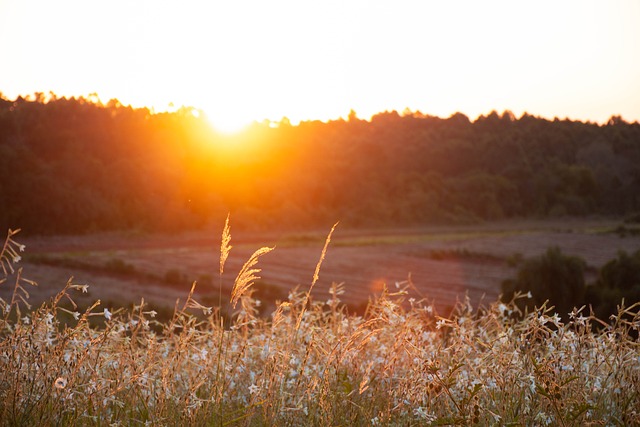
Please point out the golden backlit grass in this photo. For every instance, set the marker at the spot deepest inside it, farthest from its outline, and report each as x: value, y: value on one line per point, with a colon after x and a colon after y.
x: 311, y: 363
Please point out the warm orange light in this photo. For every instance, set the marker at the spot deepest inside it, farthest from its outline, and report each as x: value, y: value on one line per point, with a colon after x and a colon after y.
x: 230, y: 126
x: 227, y: 121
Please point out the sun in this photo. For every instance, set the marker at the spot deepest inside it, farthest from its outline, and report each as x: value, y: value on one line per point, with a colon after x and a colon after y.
x: 227, y: 122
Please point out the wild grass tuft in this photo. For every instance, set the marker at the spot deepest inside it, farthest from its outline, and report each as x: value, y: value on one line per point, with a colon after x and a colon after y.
x: 399, y: 364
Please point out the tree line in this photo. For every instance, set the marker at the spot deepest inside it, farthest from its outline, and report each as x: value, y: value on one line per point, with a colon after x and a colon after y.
x: 77, y: 165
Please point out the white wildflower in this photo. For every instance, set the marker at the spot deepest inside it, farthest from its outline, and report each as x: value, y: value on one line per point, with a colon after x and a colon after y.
x: 597, y: 384
x: 143, y: 379
x: 266, y: 350
x: 503, y: 309
x: 336, y: 291
x: 107, y: 314
x: 532, y: 383
x: 440, y: 323
x: 254, y: 389
x: 375, y: 421
x: 427, y: 336
x: 60, y: 383
x: 543, y: 418
x: 422, y: 414
x: 17, y: 258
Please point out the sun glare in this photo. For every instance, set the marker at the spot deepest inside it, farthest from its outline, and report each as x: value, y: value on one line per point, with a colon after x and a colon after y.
x: 228, y: 125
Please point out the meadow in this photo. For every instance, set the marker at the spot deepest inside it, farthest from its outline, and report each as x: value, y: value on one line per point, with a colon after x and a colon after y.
x: 310, y: 361
x: 444, y: 263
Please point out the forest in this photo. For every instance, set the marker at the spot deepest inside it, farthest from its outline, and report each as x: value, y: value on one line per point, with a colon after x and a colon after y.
x: 77, y: 165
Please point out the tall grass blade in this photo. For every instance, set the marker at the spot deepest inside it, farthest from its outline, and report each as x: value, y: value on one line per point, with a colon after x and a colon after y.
x: 316, y: 275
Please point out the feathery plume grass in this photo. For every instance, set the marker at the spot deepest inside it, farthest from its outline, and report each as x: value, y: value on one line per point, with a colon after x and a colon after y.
x: 225, y: 247
x: 247, y: 275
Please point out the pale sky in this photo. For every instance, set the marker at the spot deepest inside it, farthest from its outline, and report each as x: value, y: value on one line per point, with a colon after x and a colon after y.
x: 251, y: 60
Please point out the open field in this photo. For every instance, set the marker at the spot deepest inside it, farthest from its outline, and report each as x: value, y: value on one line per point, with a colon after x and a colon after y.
x: 400, y: 363
x: 443, y: 263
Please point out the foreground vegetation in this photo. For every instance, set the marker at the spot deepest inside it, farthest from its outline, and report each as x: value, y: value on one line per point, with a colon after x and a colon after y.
x: 311, y: 363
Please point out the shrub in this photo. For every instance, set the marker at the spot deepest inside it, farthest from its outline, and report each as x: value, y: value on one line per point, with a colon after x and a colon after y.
x: 175, y: 277
x: 118, y: 266
x: 552, y: 276
x: 621, y: 273
x: 618, y: 279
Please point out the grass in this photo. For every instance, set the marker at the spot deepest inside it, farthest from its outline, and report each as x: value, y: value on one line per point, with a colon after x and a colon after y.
x: 311, y: 362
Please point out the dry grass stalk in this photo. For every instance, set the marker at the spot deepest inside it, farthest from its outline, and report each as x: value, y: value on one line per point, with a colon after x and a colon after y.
x: 316, y: 275
x: 10, y: 255
x: 247, y: 275
x: 225, y: 247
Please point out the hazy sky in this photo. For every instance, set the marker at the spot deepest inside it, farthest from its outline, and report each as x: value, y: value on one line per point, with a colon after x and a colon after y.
x: 246, y: 60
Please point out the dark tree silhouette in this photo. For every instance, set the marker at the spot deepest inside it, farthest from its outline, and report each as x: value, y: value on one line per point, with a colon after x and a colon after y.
x: 84, y: 166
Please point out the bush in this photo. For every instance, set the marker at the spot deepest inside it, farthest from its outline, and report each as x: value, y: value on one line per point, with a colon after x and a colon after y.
x: 552, y: 276
x: 618, y: 279
x: 118, y: 266
x: 621, y: 273
x: 175, y: 277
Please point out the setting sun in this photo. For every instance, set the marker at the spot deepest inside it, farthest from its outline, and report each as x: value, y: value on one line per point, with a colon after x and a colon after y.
x: 228, y: 124
x: 226, y: 121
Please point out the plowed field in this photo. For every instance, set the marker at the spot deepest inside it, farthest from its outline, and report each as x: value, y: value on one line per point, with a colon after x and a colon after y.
x: 444, y: 263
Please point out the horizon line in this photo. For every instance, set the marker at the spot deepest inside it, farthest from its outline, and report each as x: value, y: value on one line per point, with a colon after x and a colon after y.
x: 171, y: 108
